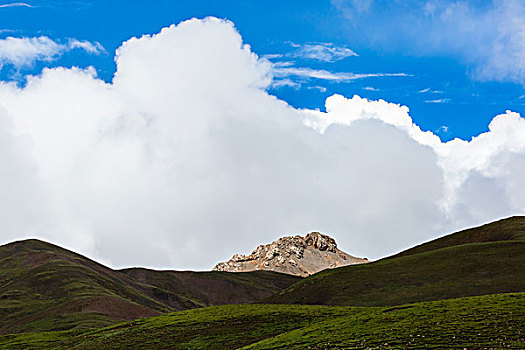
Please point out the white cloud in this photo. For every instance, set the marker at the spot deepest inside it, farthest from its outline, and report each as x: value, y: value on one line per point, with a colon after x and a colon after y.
x: 309, y: 73
x: 273, y: 55
x: 486, y: 36
x: 94, y: 48
x: 279, y: 83
x: 486, y: 156
x: 318, y: 88
x: 184, y: 159
x: 288, y: 74
x: 15, y: 4
x: 23, y: 52
x: 354, y: 8
x: 370, y: 88
x: 442, y: 129
x: 324, y: 52
x: 283, y: 64
x: 501, y: 54
x: 439, y: 100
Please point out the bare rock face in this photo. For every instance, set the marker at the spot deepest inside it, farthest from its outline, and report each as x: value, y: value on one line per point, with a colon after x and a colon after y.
x: 295, y: 255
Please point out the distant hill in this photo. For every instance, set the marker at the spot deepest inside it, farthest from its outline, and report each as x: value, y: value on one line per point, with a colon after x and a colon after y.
x: 482, y: 260
x: 484, y: 322
x: 45, y: 287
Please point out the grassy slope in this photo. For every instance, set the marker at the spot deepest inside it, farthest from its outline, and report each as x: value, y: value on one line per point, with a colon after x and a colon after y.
x: 36, y: 276
x: 44, y: 287
x: 208, y: 288
x: 491, y: 321
x: 509, y: 229
x: 485, y: 260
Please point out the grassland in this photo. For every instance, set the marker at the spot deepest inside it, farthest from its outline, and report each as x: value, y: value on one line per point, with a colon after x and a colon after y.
x: 490, y: 321
x: 464, y: 290
x: 44, y: 287
x: 215, y: 287
x: 509, y: 229
x: 478, y: 261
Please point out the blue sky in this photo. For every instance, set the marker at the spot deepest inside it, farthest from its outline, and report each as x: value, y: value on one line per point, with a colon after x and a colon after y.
x: 438, y: 79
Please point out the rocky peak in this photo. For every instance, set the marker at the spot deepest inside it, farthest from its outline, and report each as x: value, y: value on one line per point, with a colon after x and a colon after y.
x: 296, y: 255
x: 321, y: 242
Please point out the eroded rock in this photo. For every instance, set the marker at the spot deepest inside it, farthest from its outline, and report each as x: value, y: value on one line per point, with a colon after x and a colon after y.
x: 296, y: 255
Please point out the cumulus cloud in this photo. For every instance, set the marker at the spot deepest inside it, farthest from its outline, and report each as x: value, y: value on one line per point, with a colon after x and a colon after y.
x: 486, y: 156
x: 184, y: 159
x: 25, y: 51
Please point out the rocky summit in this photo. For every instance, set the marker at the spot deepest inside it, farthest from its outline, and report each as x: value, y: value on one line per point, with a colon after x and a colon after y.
x: 295, y: 255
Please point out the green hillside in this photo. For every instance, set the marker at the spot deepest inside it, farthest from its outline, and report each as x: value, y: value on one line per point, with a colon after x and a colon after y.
x: 214, y: 288
x: 484, y: 260
x: 45, y: 287
x: 491, y: 321
x: 509, y: 229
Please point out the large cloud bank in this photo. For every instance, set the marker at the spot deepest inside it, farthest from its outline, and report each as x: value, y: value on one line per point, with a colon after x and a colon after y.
x: 185, y: 159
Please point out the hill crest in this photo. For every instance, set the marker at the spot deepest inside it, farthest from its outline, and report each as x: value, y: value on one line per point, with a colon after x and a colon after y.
x: 507, y: 229
x: 295, y: 255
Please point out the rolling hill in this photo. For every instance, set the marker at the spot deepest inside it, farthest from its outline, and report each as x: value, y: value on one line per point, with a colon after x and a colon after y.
x: 44, y: 287
x: 47, y: 288
x: 484, y: 260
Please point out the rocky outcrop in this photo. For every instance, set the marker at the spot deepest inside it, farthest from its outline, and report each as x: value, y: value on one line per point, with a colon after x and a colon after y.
x: 295, y: 255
